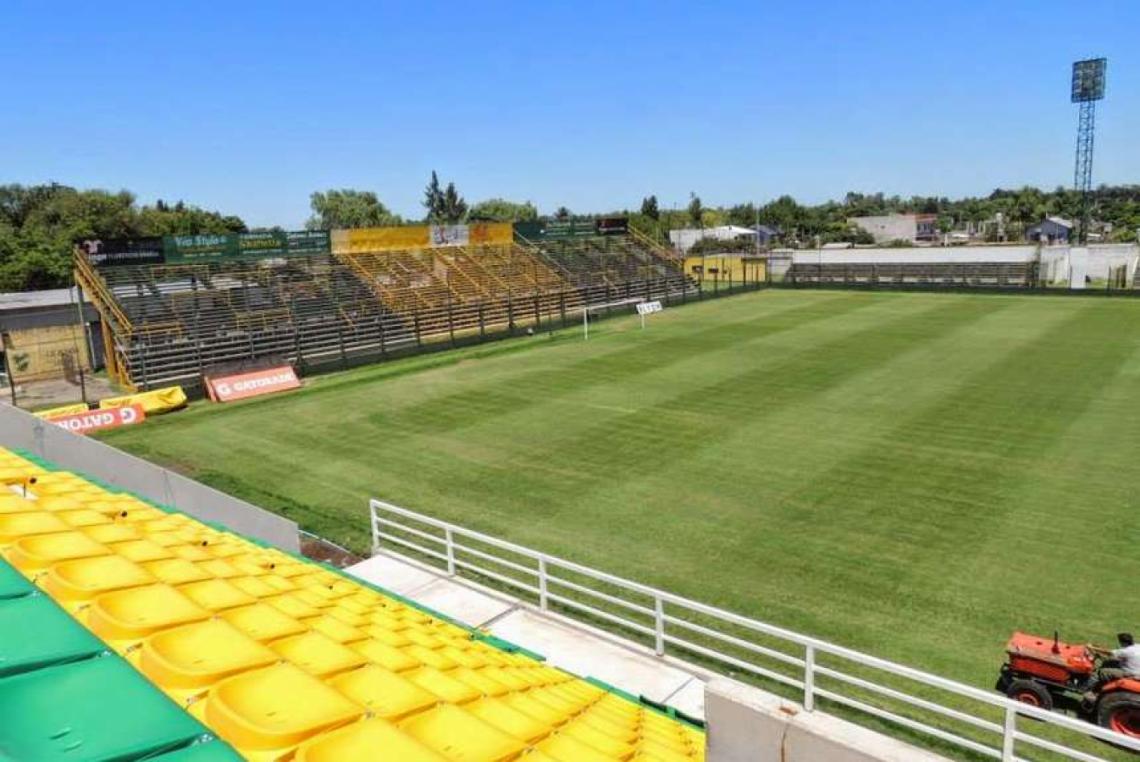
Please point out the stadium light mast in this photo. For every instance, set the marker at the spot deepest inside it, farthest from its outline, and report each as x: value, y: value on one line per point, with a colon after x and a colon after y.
x: 1087, y: 89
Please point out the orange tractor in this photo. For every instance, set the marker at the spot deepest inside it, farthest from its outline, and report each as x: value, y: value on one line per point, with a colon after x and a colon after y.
x: 1051, y: 674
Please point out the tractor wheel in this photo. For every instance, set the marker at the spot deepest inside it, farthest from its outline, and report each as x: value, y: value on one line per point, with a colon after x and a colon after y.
x: 1030, y: 692
x: 1120, y: 712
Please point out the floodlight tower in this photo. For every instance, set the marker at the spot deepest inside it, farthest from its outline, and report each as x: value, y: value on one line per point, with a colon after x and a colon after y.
x: 1087, y: 89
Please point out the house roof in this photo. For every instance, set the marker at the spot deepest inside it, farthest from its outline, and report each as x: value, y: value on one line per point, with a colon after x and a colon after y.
x: 22, y: 300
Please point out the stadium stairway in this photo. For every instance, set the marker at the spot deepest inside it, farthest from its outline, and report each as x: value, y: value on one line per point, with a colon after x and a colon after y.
x: 130, y: 632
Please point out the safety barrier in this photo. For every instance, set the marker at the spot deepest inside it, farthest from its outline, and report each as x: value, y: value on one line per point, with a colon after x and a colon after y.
x: 981, y: 723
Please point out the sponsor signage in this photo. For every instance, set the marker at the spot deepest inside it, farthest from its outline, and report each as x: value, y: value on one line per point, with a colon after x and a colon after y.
x: 613, y: 225
x: 263, y: 245
x: 542, y: 230
x: 105, y: 252
x: 243, y: 385
x: 648, y: 308
x: 94, y: 420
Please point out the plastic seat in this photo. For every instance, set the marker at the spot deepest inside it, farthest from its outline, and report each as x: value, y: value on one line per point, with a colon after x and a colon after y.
x: 175, y: 571
x: 82, y: 579
x: 34, y: 554
x: 110, y: 532
x: 385, y: 655
x: 219, y: 567
x: 263, y: 623
x: 215, y: 594
x: 510, y: 721
x: 481, y: 682
x: 289, y: 605
x: 13, y: 526
x: 13, y: 503
x: 374, y: 740
x: 383, y: 692
x: 82, y: 517
x: 253, y: 586
x: 141, y: 550
x: 335, y: 629
x: 443, y: 685
x: 459, y: 735
x: 317, y: 654
x: 135, y: 613
x: 591, y: 735
x: 568, y: 749
x: 59, y: 503
x: 188, y: 659
x: 274, y: 709
x: 429, y: 657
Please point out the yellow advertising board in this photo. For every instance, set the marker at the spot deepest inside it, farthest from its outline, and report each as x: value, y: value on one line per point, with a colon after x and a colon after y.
x: 362, y: 240
x: 482, y: 233
x: 156, y: 401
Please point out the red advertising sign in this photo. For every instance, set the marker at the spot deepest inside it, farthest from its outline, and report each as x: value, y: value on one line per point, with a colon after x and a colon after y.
x: 229, y: 388
x: 93, y: 420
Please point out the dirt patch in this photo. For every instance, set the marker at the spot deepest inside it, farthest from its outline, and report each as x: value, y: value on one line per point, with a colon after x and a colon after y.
x: 322, y: 550
x: 38, y: 395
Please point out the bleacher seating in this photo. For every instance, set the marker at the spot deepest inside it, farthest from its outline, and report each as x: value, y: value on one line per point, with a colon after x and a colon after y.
x: 279, y: 657
x: 172, y: 323
x: 981, y: 274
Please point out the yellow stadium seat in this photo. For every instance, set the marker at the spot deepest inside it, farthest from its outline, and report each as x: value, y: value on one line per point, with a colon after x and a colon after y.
x: 385, y: 655
x: 175, y: 571
x: 253, y: 586
x: 187, y: 660
x: 141, y: 550
x: 566, y: 748
x: 262, y: 622
x: 216, y: 594
x: 80, y: 580
x: 458, y: 735
x: 383, y: 692
x: 13, y: 503
x: 266, y: 713
x: 443, y: 685
x: 32, y: 555
x: 13, y: 526
x: 368, y: 741
x: 317, y: 654
x: 135, y: 613
x: 510, y: 721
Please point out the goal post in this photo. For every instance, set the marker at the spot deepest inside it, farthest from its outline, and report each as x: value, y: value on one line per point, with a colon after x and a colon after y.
x: 643, y: 306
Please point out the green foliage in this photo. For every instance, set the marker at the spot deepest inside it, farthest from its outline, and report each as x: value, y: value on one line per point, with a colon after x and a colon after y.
x: 501, y: 210
x: 562, y: 214
x: 39, y: 225
x: 347, y: 208
x: 696, y: 210
x: 649, y: 208
x: 444, y: 207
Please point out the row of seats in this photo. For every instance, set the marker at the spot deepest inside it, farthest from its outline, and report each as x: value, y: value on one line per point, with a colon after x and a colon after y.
x: 286, y: 659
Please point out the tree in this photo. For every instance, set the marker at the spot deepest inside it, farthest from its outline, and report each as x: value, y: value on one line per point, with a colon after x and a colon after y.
x: 501, y: 210
x: 695, y: 209
x: 433, y: 199
x: 454, y: 208
x: 348, y: 208
x: 649, y: 208
x: 562, y: 214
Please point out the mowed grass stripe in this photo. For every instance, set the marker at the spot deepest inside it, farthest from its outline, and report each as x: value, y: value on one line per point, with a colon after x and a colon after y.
x: 852, y: 464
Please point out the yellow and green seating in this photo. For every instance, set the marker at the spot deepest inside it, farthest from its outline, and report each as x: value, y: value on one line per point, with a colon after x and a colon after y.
x: 278, y: 657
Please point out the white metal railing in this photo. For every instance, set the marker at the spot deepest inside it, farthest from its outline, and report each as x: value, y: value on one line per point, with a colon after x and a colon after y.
x: 663, y: 618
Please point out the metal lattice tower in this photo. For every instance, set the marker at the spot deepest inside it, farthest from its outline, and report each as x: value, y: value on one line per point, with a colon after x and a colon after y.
x: 1087, y: 89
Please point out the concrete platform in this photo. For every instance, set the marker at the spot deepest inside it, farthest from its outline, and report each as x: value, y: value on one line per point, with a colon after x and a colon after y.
x: 571, y: 645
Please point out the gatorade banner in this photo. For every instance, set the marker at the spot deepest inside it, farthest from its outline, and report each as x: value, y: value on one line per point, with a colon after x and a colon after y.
x: 243, y: 385
x: 95, y: 420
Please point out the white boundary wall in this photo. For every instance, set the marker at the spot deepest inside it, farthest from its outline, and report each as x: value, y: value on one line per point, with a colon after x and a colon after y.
x: 76, y: 452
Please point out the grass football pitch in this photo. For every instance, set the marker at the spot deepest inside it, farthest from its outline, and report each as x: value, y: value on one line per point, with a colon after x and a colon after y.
x: 914, y: 475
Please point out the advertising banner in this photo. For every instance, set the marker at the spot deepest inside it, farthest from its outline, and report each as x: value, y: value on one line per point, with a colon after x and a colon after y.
x: 448, y: 235
x: 382, y: 239
x: 262, y: 245
x: 155, y: 401
x: 254, y: 384
x: 557, y: 229
x: 613, y: 225
x: 484, y: 233
x: 105, y: 252
x: 94, y: 420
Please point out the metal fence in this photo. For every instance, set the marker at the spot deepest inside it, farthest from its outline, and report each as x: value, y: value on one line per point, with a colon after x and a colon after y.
x: 922, y: 707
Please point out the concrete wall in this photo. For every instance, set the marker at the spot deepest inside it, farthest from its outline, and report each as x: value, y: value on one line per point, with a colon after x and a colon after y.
x: 749, y: 725
x: 916, y: 254
x: 79, y: 453
x: 889, y: 227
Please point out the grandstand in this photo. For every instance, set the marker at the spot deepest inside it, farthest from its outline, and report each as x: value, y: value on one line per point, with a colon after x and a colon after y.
x: 265, y: 655
x: 1012, y: 267
x: 372, y: 292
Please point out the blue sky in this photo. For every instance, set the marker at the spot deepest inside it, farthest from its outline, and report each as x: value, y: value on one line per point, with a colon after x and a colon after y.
x: 248, y: 107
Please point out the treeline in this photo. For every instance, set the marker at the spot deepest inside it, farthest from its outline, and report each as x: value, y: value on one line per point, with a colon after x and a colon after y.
x: 40, y: 223
x: 1002, y: 215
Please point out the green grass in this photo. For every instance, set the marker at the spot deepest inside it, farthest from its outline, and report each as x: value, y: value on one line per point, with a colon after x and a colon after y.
x: 914, y: 475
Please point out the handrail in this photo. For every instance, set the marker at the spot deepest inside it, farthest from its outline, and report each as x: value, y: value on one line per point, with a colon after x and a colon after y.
x: 450, y: 548
x: 95, y: 286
